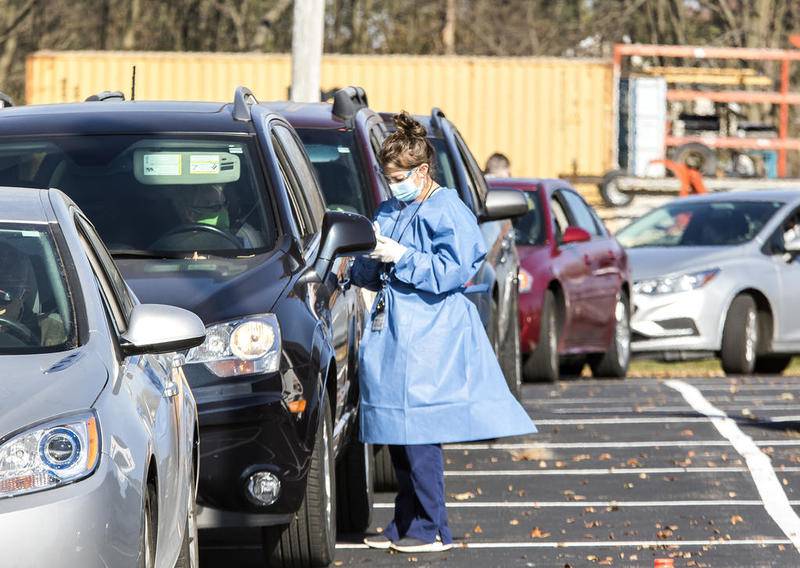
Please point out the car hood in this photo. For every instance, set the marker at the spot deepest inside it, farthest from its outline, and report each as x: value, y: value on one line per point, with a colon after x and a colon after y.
x: 216, y: 289
x: 36, y: 388
x: 652, y: 262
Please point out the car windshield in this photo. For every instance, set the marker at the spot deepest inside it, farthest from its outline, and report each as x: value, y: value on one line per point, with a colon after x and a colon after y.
x: 529, y: 229
x: 693, y: 224
x: 335, y: 156
x: 151, y: 195
x: 36, y: 314
x: 443, y: 171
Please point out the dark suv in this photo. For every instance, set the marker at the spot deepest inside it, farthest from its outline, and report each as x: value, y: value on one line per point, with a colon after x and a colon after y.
x: 215, y: 207
x: 494, y: 290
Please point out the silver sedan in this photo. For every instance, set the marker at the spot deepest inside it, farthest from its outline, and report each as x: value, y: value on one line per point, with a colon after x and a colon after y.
x: 718, y: 275
x: 98, y: 429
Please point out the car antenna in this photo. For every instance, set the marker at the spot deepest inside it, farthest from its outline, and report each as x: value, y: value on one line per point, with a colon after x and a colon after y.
x: 133, y: 84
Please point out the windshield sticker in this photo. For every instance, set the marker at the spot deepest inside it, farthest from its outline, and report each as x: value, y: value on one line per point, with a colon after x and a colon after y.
x: 343, y: 150
x: 204, y: 163
x: 235, y: 149
x: 162, y: 164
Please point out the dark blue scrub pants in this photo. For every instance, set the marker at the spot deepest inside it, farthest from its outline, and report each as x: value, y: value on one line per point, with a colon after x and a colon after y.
x: 419, y: 508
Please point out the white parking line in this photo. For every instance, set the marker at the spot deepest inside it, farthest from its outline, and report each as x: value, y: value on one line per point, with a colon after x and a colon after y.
x: 604, y: 504
x: 769, y: 487
x: 604, y: 544
x: 603, y: 471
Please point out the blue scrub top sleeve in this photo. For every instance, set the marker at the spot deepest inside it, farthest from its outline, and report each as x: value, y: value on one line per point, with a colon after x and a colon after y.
x: 453, y: 260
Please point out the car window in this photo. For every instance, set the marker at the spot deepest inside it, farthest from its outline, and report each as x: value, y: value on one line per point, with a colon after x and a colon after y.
x: 581, y: 214
x: 298, y: 161
x: 335, y: 155
x: 471, y: 184
x: 36, y: 307
x: 443, y: 170
x: 115, y: 279
x: 560, y: 219
x: 155, y: 195
x: 693, y: 223
x: 529, y: 229
x: 478, y: 180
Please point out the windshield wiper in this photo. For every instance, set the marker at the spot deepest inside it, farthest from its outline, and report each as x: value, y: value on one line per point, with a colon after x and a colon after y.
x: 133, y: 253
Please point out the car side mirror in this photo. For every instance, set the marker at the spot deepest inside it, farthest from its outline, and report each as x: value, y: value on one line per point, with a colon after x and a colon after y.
x: 504, y: 204
x: 343, y: 234
x: 575, y: 235
x: 156, y: 328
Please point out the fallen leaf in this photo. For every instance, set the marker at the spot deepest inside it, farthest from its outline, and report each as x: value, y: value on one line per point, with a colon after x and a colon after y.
x: 531, y: 454
x: 538, y: 533
x: 463, y: 496
x: 581, y: 457
x: 477, y: 529
x: 687, y: 433
x: 513, y: 522
x: 604, y: 457
x: 736, y: 519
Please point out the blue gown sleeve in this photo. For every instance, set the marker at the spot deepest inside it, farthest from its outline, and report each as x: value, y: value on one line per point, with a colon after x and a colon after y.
x: 457, y: 252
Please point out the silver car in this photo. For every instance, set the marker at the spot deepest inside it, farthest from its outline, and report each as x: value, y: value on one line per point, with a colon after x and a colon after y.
x: 718, y: 275
x: 98, y: 429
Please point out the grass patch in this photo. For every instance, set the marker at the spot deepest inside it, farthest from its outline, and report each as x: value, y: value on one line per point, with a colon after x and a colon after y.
x: 699, y: 368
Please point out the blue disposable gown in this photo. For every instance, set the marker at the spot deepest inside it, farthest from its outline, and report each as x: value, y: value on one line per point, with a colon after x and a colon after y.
x: 430, y: 376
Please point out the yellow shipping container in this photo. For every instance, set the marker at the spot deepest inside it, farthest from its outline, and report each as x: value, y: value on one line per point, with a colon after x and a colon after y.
x: 549, y: 115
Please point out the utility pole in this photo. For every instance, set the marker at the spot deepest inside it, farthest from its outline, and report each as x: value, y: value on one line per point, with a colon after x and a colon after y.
x: 307, y: 30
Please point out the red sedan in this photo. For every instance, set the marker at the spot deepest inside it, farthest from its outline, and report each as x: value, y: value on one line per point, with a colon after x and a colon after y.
x: 574, y: 284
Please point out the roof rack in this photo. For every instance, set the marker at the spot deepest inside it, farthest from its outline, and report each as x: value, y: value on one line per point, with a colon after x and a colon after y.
x: 106, y: 96
x: 436, y: 118
x: 243, y: 99
x: 5, y: 100
x: 348, y: 101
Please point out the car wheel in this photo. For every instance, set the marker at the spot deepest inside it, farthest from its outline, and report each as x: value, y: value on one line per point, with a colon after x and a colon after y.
x: 310, y: 539
x: 740, y: 338
x: 355, y: 488
x: 610, y: 191
x: 190, y: 551
x: 614, y: 362
x: 385, y: 477
x: 772, y: 364
x: 572, y: 366
x: 542, y: 365
x: 510, y: 357
x: 147, y: 552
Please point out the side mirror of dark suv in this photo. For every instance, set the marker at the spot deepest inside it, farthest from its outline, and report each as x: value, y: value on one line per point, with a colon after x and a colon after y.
x: 343, y: 234
x: 504, y: 204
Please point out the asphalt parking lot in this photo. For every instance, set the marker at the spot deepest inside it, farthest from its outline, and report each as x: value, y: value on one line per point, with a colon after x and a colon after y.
x: 621, y: 473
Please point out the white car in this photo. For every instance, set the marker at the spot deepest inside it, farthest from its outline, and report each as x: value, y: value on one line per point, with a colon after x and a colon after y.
x: 718, y: 275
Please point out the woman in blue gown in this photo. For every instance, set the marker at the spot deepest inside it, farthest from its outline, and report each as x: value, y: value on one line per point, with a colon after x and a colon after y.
x: 428, y: 373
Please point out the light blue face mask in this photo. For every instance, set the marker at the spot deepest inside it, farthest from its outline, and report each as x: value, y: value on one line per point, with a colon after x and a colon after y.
x: 406, y: 190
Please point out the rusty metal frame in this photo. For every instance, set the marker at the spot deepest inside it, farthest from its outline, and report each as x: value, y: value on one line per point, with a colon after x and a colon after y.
x: 783, y: 98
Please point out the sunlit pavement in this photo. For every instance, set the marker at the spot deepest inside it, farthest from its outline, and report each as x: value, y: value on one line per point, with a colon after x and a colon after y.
x: 621, y: 473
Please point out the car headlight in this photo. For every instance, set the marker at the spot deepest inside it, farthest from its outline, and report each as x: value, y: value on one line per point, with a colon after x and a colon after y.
x: 675, y: 283
x: 49, y: 455
x: 525, y: 280
x: 240, y: 347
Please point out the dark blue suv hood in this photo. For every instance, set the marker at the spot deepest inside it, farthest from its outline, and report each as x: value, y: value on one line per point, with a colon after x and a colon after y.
x: 216, y: 289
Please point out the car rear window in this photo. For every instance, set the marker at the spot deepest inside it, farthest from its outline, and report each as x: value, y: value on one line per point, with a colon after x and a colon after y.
x: 693, y: 223
x: 529, y: 229
x: 153, y: 195
x: 36, y: 312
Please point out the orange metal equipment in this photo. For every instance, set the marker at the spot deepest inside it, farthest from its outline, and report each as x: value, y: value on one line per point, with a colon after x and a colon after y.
x: 691, y: 179
x: 783, y: 97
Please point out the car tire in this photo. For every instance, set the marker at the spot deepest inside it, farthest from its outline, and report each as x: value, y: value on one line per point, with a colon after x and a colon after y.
x: 385, y: 477
x: 740, y: 337
x: 355, y: 487
x: 190, y: 550
x: 542, y: 364
x: 510, y: 356
x: 772, y: 364
x: 614, y: 362
x: 612, y: 195
x: 147, y: 554
x: 310, y: 539
x: 572, y: 366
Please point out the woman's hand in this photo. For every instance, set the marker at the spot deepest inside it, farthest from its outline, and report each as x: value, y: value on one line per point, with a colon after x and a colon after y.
x: 387, y: 250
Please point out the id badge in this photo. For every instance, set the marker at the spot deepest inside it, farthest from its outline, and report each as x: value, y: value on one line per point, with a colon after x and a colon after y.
x: 378, y: 321
x: 379, y: 313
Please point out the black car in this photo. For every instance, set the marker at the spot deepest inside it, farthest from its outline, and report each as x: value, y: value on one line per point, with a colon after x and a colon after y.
x: 495, y: 289
x: 215, y: 207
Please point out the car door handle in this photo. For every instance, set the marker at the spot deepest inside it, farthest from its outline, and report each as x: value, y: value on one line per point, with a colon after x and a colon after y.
x: 170, y: 389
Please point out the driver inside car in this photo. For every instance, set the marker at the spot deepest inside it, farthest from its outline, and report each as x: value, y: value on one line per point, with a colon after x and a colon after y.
x: 208, y: 205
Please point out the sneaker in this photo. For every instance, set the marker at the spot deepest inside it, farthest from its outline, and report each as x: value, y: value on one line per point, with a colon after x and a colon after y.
x: 409, y: 544
x: 378, y: 541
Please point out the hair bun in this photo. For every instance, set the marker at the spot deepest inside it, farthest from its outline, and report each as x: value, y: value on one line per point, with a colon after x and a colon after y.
x: 408, y: 127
